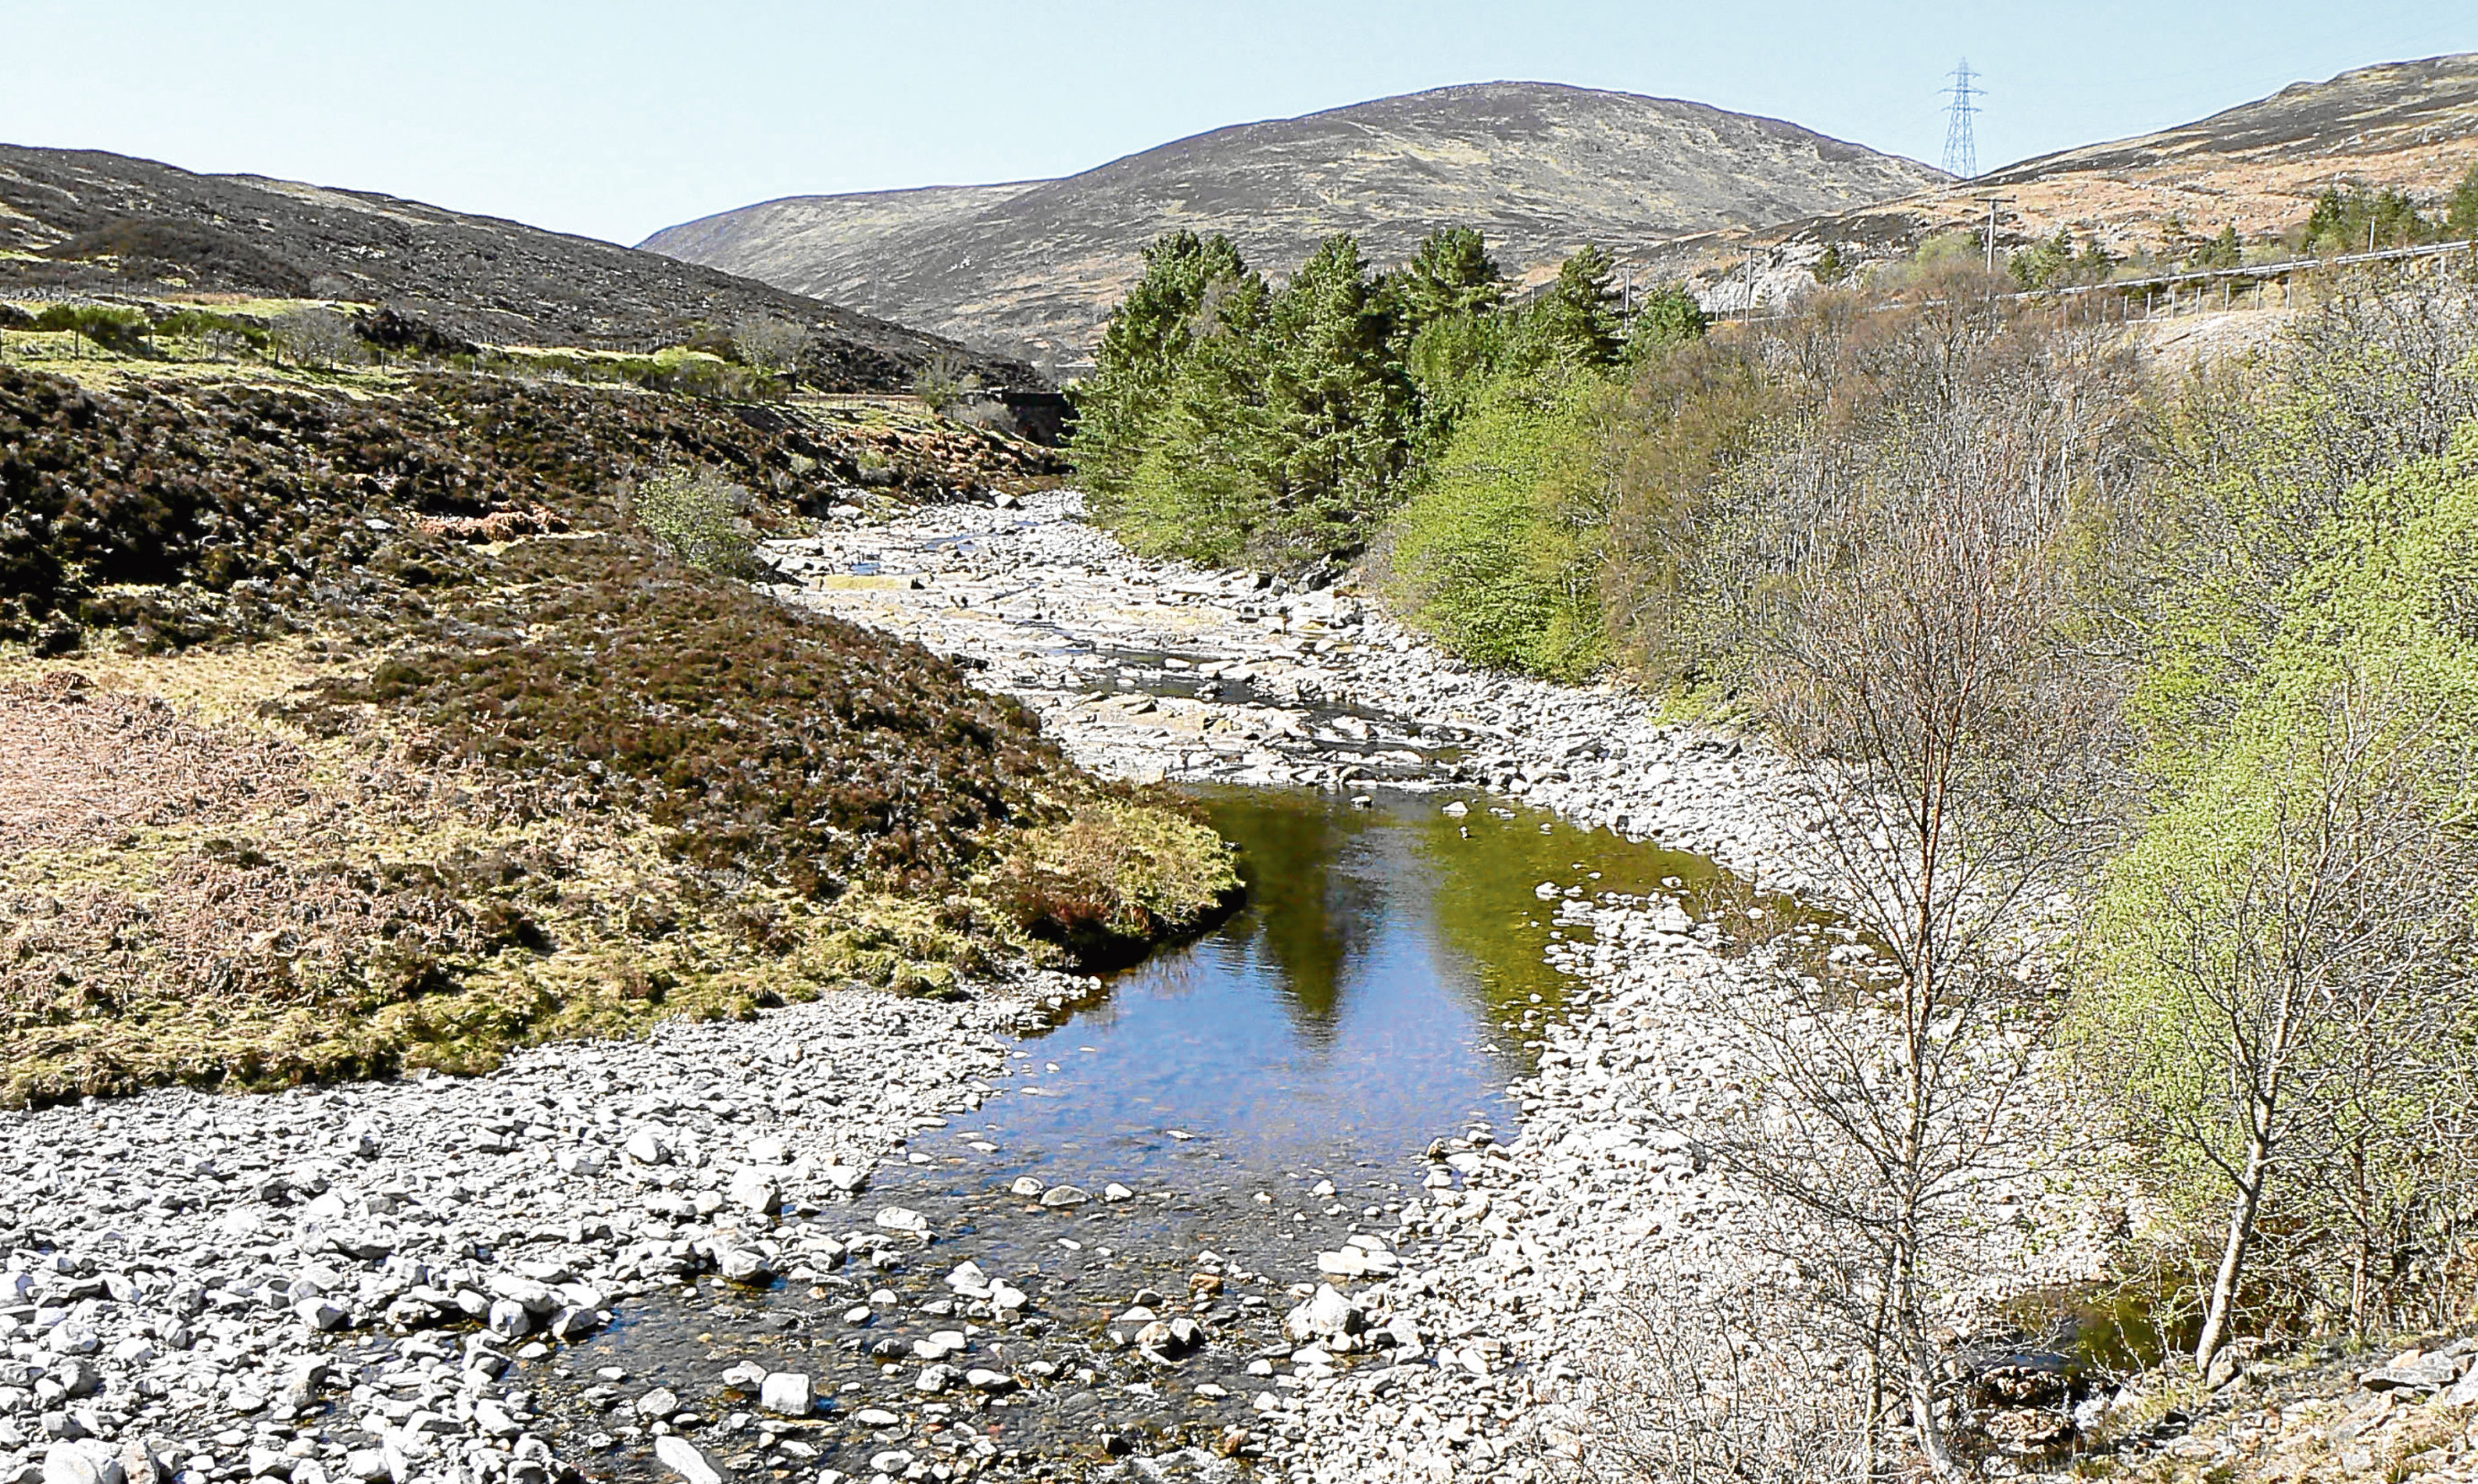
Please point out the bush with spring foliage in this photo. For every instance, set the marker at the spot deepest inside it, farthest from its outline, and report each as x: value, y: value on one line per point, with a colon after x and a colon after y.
x: 1498, y: 554
x: 700, y: 515
x: 107, y: 326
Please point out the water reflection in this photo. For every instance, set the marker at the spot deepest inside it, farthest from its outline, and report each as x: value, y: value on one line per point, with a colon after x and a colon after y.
x: 1305, y: 909
x: 1366, y: 1000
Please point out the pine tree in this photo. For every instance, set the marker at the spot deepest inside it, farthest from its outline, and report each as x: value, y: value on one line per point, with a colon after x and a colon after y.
x: 1335, y: 402
x: 1206, y: 482
x: 1451, y: 273
x: 1576, y: 320
x: 1669, y: 316
x: 1148, y: 339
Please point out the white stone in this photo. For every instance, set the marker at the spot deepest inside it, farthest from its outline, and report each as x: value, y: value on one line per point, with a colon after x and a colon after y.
x: 681, y: 1456
x: 785, y: 1394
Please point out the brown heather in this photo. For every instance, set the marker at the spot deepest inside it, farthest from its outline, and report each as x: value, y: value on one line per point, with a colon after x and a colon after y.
x: 489, y: 764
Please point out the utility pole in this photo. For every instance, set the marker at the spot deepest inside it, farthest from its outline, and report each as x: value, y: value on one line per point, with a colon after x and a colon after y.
x: 1994, y: 202
x: 1960, y: 151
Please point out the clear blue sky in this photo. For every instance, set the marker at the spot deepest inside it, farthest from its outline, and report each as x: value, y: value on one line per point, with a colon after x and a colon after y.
x: 616, y: 119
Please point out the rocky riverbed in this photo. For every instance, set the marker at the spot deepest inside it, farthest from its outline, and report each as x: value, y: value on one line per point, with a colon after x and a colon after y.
x: 1160, y: 670
x: 697, y: 1257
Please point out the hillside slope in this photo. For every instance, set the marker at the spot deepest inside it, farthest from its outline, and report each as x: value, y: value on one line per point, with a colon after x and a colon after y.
x: 84, y: 221
x: 2411, y: 126
x: 1541, y: 168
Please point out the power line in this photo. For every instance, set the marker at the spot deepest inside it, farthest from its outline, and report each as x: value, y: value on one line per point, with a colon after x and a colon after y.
x: 1961, y: 152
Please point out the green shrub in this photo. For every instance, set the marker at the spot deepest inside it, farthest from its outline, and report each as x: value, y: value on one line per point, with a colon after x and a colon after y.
x: 108, y: 326
x: 1498, y: 553
x: 947, y: 382
x: 700, y: 515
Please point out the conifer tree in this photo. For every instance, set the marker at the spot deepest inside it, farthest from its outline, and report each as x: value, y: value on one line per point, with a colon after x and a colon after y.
x: 1451, y: 273
x: 1148, y: 339
x: 1576, y: 320
x: 1334, y: 400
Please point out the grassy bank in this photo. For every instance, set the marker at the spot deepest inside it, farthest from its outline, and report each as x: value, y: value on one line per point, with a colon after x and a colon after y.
x: 349, y: 729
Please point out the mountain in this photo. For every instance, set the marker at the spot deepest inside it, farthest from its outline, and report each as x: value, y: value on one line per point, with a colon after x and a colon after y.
x: 2411, y: 126
x: 83, y: 222
x: 1539, y: 167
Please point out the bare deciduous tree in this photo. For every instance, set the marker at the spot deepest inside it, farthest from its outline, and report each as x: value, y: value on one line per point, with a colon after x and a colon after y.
x: 313, y: 336
x: 775, y: 346
x: 1724, y: 1390
x: 1954, y: 745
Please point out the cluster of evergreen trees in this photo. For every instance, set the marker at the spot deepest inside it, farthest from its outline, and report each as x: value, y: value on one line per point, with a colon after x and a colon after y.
x: 1230, y: 420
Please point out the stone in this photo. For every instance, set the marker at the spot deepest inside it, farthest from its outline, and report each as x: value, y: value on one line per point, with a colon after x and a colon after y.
x: 877, y: 1416
x: 785, y: 1394
x: 994, y: 1382
x: 647, y: 1147
x: 1026, y: 1187
x: 323, y: 1315
x: 85, y: 1461
x: 659, y: 1403
x: 904, y: 1220
x: 681, y: 1456
x: 744, y: 1265
x: 2413, y: 1370
x: 510, y: 1319
x: 1115, y: 1194
x: 1064, y: 1198
x: 1007, y: 1299
x: 1325, y: 1314
x: 305, y: 1378
x: 754, y: 1190
x: 969, y: 1280
x: 934, y: 1379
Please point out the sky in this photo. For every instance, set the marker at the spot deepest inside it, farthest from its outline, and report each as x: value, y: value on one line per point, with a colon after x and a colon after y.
x: 615, y: 119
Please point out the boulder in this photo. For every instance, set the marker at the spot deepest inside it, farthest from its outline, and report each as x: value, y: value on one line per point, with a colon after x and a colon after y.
x: 2413, y: 1370
x: 1327, y: 1313
x: 85, y: 1461
x: 755, y: 1190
